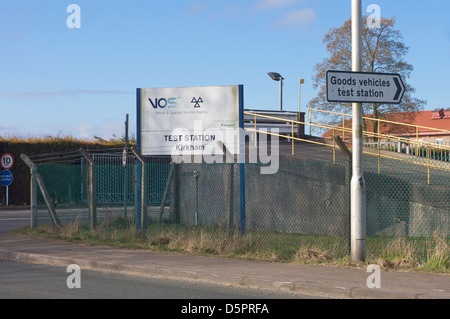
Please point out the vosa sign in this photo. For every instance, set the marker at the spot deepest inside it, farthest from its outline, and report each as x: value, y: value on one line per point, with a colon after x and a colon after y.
x: 184, y: 121
x: 173, y: 102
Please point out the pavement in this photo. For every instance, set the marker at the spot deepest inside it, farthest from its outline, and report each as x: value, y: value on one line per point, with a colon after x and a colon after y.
x: 315, y: 280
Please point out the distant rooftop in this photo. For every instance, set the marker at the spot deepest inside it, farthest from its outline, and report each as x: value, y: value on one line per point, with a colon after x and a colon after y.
x: 436, y: 119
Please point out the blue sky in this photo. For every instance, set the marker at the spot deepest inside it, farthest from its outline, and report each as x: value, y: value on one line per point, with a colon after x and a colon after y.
x: 82, y: 81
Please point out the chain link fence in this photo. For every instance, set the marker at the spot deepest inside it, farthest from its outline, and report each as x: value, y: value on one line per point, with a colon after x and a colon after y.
x: 304, y: 204
x: 408, y: 207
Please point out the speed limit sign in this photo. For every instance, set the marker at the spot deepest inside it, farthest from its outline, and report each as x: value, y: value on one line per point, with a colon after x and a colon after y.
x: 7, y: 161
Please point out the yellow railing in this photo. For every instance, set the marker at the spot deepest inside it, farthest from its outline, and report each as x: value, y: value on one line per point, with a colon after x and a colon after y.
x: 379, y: 121
x: 342, y: 130
x: 291, y: 137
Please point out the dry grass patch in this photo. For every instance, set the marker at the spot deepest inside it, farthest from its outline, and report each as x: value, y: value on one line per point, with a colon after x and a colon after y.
x: 307, y: 254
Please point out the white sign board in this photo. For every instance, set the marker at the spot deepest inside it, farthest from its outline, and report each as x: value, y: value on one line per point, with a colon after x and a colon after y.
x: 363, y: 87
x: 188, y: 120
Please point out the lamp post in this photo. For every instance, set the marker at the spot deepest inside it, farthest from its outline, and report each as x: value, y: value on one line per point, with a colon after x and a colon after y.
x: 277, y: 77
x: 302, y: 81
x: 358, y: 188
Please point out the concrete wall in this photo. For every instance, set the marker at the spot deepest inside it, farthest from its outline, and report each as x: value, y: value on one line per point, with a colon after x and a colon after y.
x: 307, y: 198
x: 310, y: 198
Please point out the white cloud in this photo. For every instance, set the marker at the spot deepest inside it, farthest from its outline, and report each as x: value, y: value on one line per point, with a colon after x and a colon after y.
x: 82, y: 131
x: 273, y: 4
x: 19, y: 132
x: 104, y: 131
x: 41, y: 94
x: 299, y: 18
x: 195, y: 8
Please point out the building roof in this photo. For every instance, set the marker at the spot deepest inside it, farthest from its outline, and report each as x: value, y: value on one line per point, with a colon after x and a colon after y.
x: 438, y: 119
x: 430, y: 123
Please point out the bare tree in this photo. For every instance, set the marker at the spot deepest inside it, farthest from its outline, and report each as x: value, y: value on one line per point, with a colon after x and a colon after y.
x: 383, y: 51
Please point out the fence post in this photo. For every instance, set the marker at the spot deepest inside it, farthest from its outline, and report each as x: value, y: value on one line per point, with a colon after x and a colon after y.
x: 125, y: 168
x: 428, y: 164
x: 230, y: 188
x: 47, y: 200
x: 33, y: 190
x: 255, y: 134
x: 348, y: 177
x: 292, y: 138
x: 36, y: 179
x: 166, y: 191
x: 91, y: 190
x: 143, y: 213
x: 174, y: 195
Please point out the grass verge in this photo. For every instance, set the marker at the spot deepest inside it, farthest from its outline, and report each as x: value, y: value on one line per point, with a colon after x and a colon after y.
x: 395, y: 253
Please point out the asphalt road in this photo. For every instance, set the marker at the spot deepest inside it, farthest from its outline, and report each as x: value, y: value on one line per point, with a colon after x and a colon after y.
x: 13, y: 219
x: 30, y: 281
x: 36, y: 281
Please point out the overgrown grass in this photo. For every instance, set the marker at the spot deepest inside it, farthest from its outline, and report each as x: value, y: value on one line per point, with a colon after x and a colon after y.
x: 417, y: 253
x: 391, y: 253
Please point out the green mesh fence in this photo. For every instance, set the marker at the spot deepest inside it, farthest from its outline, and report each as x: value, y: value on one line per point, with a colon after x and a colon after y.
x: 305, y: 204
x: 66, y: 187
x: 405, y: 213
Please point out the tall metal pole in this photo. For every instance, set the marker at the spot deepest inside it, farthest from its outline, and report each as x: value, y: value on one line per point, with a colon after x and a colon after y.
x: 358, y: 191
x: 299, y: 100
x: 300, y: 93
x: 281, y: 93
x: 125, y: 182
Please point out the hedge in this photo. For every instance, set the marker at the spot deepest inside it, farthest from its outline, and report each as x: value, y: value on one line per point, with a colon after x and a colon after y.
x: 19, y: 190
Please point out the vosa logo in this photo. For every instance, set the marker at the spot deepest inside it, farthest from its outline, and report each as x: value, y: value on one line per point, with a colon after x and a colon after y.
x: 173, y: 102
x: 163, y: 103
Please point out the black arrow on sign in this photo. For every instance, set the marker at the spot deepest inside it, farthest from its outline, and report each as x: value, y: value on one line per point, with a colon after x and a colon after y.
x: 399, y: 89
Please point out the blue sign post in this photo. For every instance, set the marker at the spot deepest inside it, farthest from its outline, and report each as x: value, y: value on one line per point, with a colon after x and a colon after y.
x: 6, y: 179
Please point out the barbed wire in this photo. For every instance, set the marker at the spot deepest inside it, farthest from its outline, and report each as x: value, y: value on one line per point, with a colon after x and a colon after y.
x: 103, y: 155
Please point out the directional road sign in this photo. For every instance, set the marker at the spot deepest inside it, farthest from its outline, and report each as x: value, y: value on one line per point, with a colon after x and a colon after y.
x: 364, y: 87
x: 6, y: 178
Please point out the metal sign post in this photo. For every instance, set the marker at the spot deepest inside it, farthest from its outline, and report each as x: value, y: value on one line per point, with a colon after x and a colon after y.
x: 358, y: 87
x: 6, y: 162
x: 124, y: 164
x: 6, y: 179
x: 358, y: 187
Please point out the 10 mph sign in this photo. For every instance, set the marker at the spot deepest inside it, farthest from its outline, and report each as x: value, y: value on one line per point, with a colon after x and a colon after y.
x: 6, y: 161
x: 364, y: 87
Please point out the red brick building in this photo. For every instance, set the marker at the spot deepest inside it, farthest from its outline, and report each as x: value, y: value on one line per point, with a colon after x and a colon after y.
x: 430, y: 126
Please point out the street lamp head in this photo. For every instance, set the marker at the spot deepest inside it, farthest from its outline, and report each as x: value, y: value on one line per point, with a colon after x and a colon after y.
x: 275, y: 76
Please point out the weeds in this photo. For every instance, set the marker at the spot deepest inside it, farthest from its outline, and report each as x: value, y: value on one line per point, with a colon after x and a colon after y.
x: 438, y: 255
x: 398, y: 252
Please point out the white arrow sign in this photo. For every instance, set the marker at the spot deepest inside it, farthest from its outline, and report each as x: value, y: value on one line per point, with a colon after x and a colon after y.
x: 363, y: 87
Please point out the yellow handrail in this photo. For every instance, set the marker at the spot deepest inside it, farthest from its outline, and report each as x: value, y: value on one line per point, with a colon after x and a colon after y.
x: 379, y: 120
x: 396, y: 138
x: 343, y: 129
x: 293, y: 138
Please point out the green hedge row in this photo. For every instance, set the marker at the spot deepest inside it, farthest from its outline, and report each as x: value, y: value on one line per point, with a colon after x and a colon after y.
x: 19, y: 190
